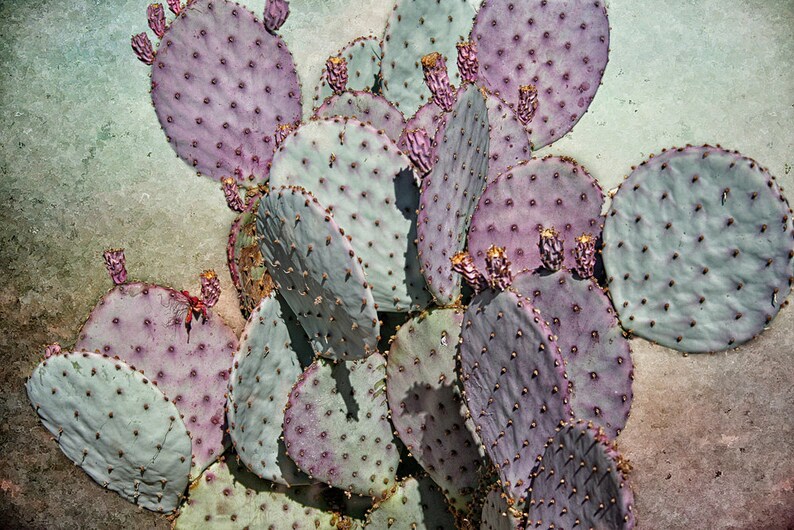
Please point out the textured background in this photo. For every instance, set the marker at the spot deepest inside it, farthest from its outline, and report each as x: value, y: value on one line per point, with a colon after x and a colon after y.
x: 84, y: 166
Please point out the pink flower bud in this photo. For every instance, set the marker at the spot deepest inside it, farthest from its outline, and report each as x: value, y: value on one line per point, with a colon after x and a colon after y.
x: 142, y: 47
x: 468, y: 64
x: 437, y: 80
x: 276, y: 13
x: 336, y: 73
x: 156, y: 16
x: 175, y: 6
x: 210, y: 288
x: 52, y: 349
x: 527, y: 103
x: 116, y: 264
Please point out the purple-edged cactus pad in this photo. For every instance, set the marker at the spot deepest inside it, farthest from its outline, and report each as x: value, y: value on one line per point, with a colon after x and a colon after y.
x: 698, y: 249
x: 221, y: 84
x: 366, y: 107
x: 552, y: 191
x: 559, y: 46
x: 597, y: 355
x: 336, y: 426
x: 144, y: 325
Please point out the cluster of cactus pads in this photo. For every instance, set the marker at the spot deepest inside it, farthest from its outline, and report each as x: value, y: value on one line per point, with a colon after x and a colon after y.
x: 438, y: 323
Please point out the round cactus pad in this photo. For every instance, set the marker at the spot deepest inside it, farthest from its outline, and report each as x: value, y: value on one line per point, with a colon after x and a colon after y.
x: 514, y: 382
x: 361, y: 176
x: 144, y: 325
x: 540, y: 193
x: 336, y: 426
x: 221, y: 84
x: 415, y: 29
x: 414, y: 504
x: 581, y: 482
x: 426, y: 406
x: 363, y: 68
x: 559, y: 46
x: 366, y: 107
x: 450, y: 192
x: 318, y: 274
x: 597, y: 355
x: 116, y: 425
x: 273, y: 352
x: 698, y: 249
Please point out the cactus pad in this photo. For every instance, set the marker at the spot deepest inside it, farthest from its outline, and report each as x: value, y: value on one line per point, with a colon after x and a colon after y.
x: 116, y: 425
x: 414, y: 504
x: 367, y: 108
x: 363, y: 68
x: 450, y: 192
x: 510, y: 141
x: 221, y: 84
x: 318, y: 274
x: 560, y: 47
x: 246, y: 264
x: 144, y: 325
x: 273, y: 353
x: 540, y: 193
x: 498, y: 515
x: 698, y: 249
x: 368, y: 185
x: 426, y: 406
x: 336, y: 426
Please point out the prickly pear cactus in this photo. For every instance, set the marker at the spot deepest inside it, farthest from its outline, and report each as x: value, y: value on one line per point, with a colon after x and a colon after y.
x: 366, y: 107
x: 362, y: 56
x: 414, y: 504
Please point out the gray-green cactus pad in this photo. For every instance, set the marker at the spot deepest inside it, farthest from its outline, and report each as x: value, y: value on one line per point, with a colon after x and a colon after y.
x: 229, y: 497
x: 273, y: 352
x: 366, y: 107
x: 498, y: 515
x: 451, y: 190
x: 415, y: 29
x: 116, y: 425
x: 581, y: 482
x: 415, y: 504
x: 363, y: 68
x: 361, y: 176
x: 336, y: 426
x: 698, y: 249
x: 426, y: 406
x: 318, y: 274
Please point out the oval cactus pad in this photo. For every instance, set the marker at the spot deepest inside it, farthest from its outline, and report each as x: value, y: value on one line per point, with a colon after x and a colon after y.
x: 337, y: 429
x: 273, y: 352
x: 367, y: 184
x: 558, y: 46
x: 144, y: 325
x: 698, y: 249
x: 116, y: 425
x: 363, y: 68
x: 221, y: 84
x: 318, y: 274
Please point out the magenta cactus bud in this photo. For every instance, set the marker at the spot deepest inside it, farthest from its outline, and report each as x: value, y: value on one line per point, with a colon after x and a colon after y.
x: 463, y: 264
x: 437, y: 80
x: 116, y: 264
x: 336, y: 72
x: 142, y: 47
x: 500, y: 277
x: 420, y: 150
x: 52, y: 349
x: 276, y: 13
x: 282, y: 131
x: 175, y: 6
x: 551, y: 251
x: 527, y: 103
x: 232, y: 193
x: 584, y: 254
x: 468, y: 64
x: 156, y: 15
x: 210, y: 288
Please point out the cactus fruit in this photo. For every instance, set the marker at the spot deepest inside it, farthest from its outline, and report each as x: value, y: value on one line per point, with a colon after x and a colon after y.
x: 558, y: 46
x: 116, y: 425
x: 698, y: 249
x: 414, y: 504
x: 275, y: 15
x: 175, y: 6
x: 497, y: 514
x: 419, y: 150
x: 463, y: 264
x: 362, y: 57
x: 500, y: 277
x: 116, y: 264
x: 437, y: 80
x: 581, y: 481
x: 514, y: 208
x: 319, y: 275
x: 210, y: 288
x: 155, y: 15
x: 336, y: 426
x: 584, y: 256
x: 221, y: 85
x: 336, y: 74
x: 426, y: 407
x: 527, y: 103
x: 468, y: 64
x: 551, y: 250
x: 142, y: 47
x: 231, y: 193
x: 366, y: 107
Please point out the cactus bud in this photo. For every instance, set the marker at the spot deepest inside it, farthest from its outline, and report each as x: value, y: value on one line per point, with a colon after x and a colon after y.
x: 585, y: 255
x: 551, y: 251
x: 437, y: 80
x: 464, y: 265
x: 175, y: 6
x: 142, y: 47
x: 232, y: 194
x: 496, y: 263
x: 527, y: 103
x: 116, y: 264
x: 156, y: 16
x: 210, y: 288
x: 468, y: 64
x: 52, y: 349
x: 276, y: 13
x: 282, y: 131
x: 419, y: 150
x: 336, y: 69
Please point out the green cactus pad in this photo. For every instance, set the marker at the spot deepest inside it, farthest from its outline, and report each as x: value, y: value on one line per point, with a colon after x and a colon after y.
x: 450, y: 192
x: 116, y: 425
x: 415, y: 29
x: 229, y: 497
x: 581, y: 482
x: 698, y: 248
x: 366, y: 182
x: 318, y: 274
x: 363, y: 68
x: 497, y: 515
x: 367, y: 108
x: 415, y: 504
x: 273, y: 352
x: 426, y: 406
x: 336, y: 426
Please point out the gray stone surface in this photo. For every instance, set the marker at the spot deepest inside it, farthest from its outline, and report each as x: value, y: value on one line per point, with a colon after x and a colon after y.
x: 83, y: 166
